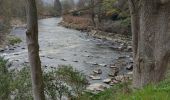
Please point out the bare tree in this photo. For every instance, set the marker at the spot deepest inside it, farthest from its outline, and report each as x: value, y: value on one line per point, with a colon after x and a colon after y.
x: 92, y: 3
x: 57, y: 7
x: 33, y: 50
x: 151, y: 40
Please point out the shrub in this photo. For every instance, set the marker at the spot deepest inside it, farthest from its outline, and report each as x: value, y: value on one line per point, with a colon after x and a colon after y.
x: 21, y: 84
x: 80, y: 21
x: 5, y: 80
x: 70, y: 81
x: 13, y: 40
x: 73, y: 77
x: 64, y: 81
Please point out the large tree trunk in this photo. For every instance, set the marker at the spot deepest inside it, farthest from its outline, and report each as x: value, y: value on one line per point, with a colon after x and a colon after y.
x: 151, y: 40
x: 33, y: 50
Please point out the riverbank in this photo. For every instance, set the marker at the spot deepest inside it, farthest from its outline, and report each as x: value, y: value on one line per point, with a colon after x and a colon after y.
x: 123, y: 41
x: 98, y: 59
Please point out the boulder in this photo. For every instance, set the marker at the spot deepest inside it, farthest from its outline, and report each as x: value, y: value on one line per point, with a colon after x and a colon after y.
x: 107, y: 81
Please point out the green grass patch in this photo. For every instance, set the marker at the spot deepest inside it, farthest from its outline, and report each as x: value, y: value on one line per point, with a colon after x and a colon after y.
x: 160, y: 91
x: 13, y: 40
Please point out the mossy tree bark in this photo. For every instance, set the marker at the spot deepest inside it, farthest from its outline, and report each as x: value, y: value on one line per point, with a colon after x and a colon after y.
x: 151, y: 40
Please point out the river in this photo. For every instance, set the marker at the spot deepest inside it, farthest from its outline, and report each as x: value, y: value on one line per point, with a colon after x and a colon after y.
x: 59, y: 45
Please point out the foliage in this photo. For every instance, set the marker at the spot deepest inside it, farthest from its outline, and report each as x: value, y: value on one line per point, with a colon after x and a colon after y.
x: 21, y: 84
x: 55, y: 88
x: 75, y: 79
x: 108, y: 6
x: 82, y: 23
x: 13, y: 39
x: 15, y: 83
x: 64, y: 81
x: 126, y: 22
x: 5, y: 79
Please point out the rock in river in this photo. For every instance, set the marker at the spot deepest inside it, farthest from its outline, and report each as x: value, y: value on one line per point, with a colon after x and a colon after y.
x: 98, y: 71
x: 96, y: 87
x: 2, y: 50
x: 113, y: 66
x: 95, y: 77
x: 114, y: 73
x: 129, y: 67
x: 107, y: 81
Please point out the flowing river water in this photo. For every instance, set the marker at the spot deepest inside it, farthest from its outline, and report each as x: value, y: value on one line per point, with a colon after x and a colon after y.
x: 59, y: 45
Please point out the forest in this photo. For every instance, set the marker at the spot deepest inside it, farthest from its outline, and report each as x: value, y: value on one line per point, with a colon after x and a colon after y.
x: 84, y: 49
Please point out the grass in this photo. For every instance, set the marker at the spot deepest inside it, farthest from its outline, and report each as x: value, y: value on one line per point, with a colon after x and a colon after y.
x: 161, y: 91
x: 151, y: 92
x: 13, y: 40
x: 18, y: 83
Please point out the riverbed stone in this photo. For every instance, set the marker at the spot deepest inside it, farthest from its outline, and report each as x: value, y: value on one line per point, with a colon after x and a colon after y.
x: 11, y: 49
x: 129, y: 48
x: 119, y: 77
x: 129, y: 67
x: 63, y: 59
x: 16, y: 54
x: 26, y: 62
x: 50, y: 57
x: 14, y: 47
x: 107, y: 81
x: 23, y: 48
x: 103, y: 65
x: 113, y: 82
x: 113, y: 66
x: 96, y: 87
x: 130, y: 75
x: 113, y: 73
x: 2, y: 50
x: 75, y: 61
x: 98, y: 71
x: 94, y: 77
